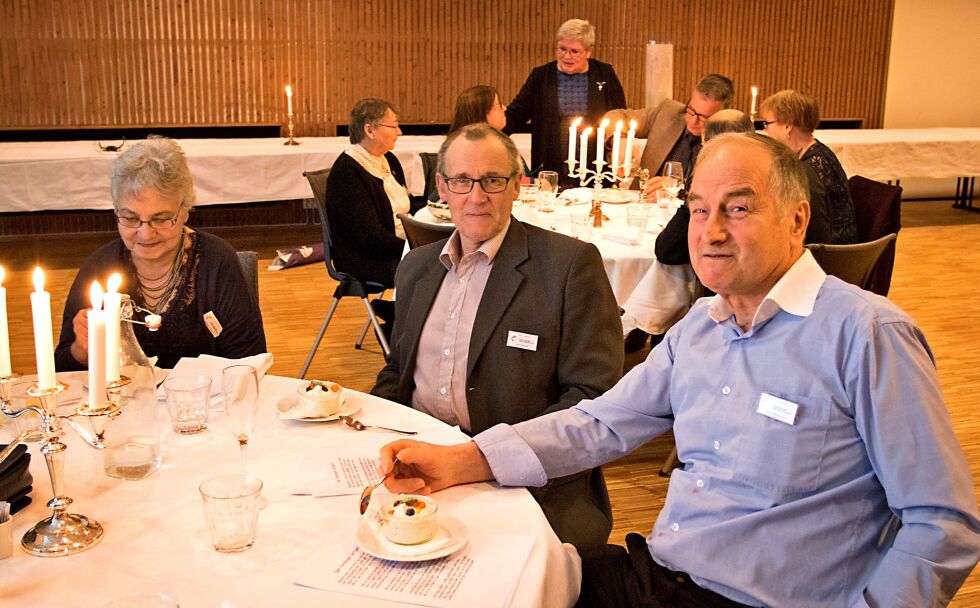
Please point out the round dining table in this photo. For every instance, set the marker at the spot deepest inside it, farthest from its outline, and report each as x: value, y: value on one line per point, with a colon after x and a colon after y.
x: 156, y: 539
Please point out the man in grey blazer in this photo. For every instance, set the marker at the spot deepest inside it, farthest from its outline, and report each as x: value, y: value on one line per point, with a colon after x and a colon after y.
x: 673, y: 129
x: 504, y: 321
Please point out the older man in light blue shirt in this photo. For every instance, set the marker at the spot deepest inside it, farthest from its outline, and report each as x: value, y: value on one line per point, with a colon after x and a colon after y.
x: 820, y: 467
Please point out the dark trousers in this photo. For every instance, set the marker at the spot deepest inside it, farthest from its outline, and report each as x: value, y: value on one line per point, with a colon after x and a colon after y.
x: 613, y: 577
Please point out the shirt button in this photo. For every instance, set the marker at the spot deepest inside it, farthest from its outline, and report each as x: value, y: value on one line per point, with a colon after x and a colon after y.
x: 700, y: 483
x: 446, y: 352
x: 717, y: 445
x: 675, y: 527
x: 452, y: 315
x: 462, y: 280
x: 442, y: 391
x: 726, y: 390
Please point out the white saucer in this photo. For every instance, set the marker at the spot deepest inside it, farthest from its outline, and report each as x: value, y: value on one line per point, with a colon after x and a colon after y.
x: 449, y: 526
x: 289, y: 402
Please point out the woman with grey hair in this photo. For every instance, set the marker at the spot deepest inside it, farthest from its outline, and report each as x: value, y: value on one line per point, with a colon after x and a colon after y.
x: 556, y: 93
x: 365, y: 189
x: 191, y: 278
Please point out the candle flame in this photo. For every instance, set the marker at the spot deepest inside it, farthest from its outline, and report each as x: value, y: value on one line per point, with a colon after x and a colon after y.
x: 632, y: 125
x: 576, y: 122
x: 115, y: 280
x: 587, y: 132
x: 619, y: 125
x: 95, y: 295
x: 604, y: 123
x: 289, y: 90
x: 755, y: 90
x: 38, y: 279
x: 3, y: 275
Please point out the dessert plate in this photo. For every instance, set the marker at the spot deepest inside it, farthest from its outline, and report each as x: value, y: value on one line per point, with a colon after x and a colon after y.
x: 449, y: 529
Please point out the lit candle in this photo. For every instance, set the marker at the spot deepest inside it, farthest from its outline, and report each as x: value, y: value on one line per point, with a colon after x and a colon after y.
x: 112, y: 301
x: 583, y: 145
x: 96, y: 348
x: 600, y: 143
x: 289, y: 99
x: 572, y: 131
x: 628, y: 163
x: 755, y: 95
x: 615, y: 153
x: 43, y: 342
x: 4, y: 335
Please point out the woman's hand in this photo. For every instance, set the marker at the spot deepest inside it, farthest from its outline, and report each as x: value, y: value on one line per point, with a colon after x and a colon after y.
x: 79, y: 348
x: 423, y: 468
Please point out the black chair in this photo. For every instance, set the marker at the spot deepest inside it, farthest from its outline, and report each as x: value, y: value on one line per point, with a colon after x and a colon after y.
x: 877, y: 211
x: 852, y: 263
x: 348, y: 285
x: 429, y: 162
x: 420, y: 233
x: 249, y: 262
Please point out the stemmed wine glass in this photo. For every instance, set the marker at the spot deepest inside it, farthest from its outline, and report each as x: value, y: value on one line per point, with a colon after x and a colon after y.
x: 240, y: 387
x: 673, y: 178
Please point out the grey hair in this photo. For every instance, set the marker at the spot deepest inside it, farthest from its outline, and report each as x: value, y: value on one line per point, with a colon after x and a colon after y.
x: 368, y: 111
x: 478, y: 132
x: 577, y: 29
x: 717, y: 87
x: 157, y: 163
x: 787, y: 176
x: 727, y: 121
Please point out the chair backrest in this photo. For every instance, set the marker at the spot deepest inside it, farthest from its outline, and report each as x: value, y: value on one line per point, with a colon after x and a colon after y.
x: 852, y: 263
x: 420, y: 233
x: 249, y: 261
x: 429, y: 162
x: 877, y: 211
x: 318, y: 183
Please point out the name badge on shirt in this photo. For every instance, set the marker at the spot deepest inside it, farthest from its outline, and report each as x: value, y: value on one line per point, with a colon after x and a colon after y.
x: 778, y: 409
x: 517, y: 339
x: 211, y: 322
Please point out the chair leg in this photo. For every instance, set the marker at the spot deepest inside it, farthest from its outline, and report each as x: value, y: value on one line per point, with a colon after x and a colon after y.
x: 377, y: 328
x: 319, y: 337
x: 669, y: 463
x: 367, y: 324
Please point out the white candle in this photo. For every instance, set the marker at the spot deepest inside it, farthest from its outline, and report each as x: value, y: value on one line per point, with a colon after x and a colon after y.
x: 43, y: 342
x: 583, y: 145
x: 96, y: 348
x: 112, y: 302
x: 572, y: 132
x: 4, y: 335
x: 289, y: 99
x: 755, y: 95
x: 628, y: 163
x: 600, y: 142
x: 615, y: 152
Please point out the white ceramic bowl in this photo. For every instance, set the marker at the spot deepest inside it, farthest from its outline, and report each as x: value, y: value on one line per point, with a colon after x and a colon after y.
x: 440, y: 209
x: 408, y: 519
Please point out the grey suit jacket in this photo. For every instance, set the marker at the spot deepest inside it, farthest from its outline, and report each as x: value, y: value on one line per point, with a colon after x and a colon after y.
x: 662, y: 126
x: 547, y: 285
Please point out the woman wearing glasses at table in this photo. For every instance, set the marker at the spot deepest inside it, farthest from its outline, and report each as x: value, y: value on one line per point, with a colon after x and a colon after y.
x: 791, y: 117
x: 556, y: 93
x: 191, y: 278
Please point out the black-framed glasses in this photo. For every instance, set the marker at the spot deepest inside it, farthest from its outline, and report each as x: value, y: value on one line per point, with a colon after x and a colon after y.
x: 157, y: 223
x: 112, y: 148
x: 695, y: 114
x: 491, y: 184
x: 381, y: 124
x: 766, y: 123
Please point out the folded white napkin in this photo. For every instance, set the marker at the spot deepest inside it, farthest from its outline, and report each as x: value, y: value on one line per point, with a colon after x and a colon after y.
x: 209, y: 365
x: 576, y: 195
x: 319, y: 404
x: 619, y: 238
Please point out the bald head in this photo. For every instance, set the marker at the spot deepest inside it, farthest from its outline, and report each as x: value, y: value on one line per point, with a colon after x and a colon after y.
x: 727, y: 121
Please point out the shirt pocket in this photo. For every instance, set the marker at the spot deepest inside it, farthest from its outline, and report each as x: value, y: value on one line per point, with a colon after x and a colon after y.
x: 785, y: 458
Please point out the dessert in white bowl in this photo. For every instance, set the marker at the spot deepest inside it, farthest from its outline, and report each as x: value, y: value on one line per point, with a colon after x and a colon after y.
x: 408, y: 519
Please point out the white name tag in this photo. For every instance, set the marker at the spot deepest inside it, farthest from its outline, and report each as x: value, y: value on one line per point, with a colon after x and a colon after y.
x: 212, y: 323
x: 516, y: 339
x: 778, y: 409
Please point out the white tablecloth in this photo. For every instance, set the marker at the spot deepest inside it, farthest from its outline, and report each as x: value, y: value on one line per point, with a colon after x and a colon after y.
x: 156, y: 539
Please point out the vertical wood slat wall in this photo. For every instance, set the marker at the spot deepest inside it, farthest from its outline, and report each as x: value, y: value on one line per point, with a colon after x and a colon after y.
x: 71, y: 63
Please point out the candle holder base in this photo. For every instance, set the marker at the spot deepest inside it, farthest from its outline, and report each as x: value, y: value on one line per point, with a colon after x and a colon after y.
x: 62, y: 534
x: 291, y: 126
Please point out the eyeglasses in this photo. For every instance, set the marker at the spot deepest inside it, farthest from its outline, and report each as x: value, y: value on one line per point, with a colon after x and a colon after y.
x: 695, y: 114
x: 564, y: 50
x: 157, y: 223
x: 491, y: 184
x: 766, y: 123
x: 381, y: 124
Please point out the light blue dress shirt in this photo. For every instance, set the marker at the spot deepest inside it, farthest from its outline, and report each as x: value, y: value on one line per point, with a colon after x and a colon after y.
x: 776, y: 514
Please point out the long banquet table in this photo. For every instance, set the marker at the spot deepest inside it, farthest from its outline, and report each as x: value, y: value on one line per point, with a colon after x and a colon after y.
x: 155, y: 536
x: 44, y: 176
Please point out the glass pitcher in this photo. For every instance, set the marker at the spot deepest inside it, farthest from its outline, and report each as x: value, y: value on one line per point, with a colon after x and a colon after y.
x: 133, y: 436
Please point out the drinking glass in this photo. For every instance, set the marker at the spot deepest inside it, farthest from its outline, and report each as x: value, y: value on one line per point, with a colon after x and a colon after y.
x: 637, y: 215
x: 529, y: 194
x: 231, y: 509
x: 673, y: 176
x: 548, y: 180
x: 187, y: 401
x: 240, y: 387
x: 581, y: 225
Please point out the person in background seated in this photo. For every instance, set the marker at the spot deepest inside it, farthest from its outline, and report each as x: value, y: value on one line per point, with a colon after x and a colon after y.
x: 555, y: 93
x: 189, y: 277
x: 820, y: 465
x: 505, y: 321
x: 791, y: 117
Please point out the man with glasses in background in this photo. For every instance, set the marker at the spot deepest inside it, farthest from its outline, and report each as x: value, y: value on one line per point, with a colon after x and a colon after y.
x: 505, y: 321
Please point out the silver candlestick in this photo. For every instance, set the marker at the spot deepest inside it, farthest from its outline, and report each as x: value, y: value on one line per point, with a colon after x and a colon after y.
x: 595, y: 176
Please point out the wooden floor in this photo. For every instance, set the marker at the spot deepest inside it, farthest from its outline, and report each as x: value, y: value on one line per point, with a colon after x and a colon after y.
x: 938, y: 260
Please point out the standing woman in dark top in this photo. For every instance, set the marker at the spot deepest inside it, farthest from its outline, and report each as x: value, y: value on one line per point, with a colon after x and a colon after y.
x: 557, y: 92
x: 365, y: 189
x: 191, y: 278
x: 791, y: 117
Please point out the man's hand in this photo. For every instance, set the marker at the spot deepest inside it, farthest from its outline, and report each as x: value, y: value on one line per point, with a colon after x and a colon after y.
x: 423, y: 468
x: 650, y: 188
x: 79, y: 348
